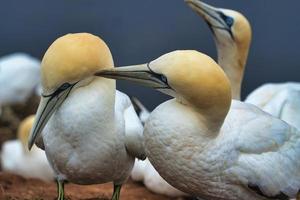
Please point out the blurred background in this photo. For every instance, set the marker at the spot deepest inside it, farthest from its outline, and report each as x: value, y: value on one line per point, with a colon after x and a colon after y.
x: 139, y: 31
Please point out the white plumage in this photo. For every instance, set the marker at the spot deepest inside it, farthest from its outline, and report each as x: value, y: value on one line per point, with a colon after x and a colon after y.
x: 85, y: 139
x: 208, y: 145
x: 279, y: 99
x: 92, y: 133
x: 33, y: 164
x: 143, y: 171
x: 19, y: 77
x: 252, y: 149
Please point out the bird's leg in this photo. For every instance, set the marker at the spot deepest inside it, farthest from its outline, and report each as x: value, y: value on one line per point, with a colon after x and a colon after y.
x: 60, y: 190
x: 116, y: 194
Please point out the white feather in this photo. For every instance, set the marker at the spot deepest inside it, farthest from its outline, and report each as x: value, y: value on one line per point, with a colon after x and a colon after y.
x: 19, y: 76
x: 33, y: 164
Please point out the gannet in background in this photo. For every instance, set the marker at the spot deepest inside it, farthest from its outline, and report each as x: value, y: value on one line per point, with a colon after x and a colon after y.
x: 16, y: 158
x: 208, y: 145
x: 143, y: 171
x: 232, y: 34
x: 140, y: 109
x: 19, y: 77
x: 92, y: 133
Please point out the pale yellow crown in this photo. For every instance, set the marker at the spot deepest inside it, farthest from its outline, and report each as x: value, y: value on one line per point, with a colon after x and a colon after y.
x: 24, y: 130
x: 74, y: 57
x: 198, y: 80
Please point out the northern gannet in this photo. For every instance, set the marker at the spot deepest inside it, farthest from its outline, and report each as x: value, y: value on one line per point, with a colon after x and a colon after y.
x: 19, y: 78
x: 232, y: 34
x: 91, y: 132
x: 16, y: 158
x: 208, y: 145
x: 143, y: 171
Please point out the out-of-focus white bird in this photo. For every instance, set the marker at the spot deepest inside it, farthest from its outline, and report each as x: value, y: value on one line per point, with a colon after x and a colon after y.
x: 16, y: 158
x: 143, y: 171
x: 208, y: 145
x: 232, y: 34
x: 19, y: 77
x: 92, y: 133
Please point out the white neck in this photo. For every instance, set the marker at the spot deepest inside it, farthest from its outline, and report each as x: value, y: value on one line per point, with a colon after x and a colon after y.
x: 229, y: 59
x: 106, y: 88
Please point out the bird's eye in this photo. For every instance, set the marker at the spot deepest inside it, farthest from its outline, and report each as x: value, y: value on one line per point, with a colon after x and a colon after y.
x: 64, y: 86
x: 163, y: 78
x: 229, y: 21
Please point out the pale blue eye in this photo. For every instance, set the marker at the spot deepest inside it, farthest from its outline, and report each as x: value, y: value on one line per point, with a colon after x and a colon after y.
x: 164, y: 79
x: 64, y: 86
x: 229, y: 21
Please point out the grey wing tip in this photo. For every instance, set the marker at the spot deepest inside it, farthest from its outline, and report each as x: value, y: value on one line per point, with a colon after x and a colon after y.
x: 280, y: 196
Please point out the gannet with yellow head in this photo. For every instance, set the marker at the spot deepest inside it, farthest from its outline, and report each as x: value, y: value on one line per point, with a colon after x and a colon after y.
x: 16, y: 158
x: 92, y: 133
x: 208, y: 145
x: 232, y: 34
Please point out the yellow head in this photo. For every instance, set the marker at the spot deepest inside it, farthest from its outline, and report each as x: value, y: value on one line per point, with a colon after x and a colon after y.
x: 24, y: 130
x: 232, y: 34
x: 72, y: 58
x: 69, y: 62
x: 229, y: 27
x: 191, y: 77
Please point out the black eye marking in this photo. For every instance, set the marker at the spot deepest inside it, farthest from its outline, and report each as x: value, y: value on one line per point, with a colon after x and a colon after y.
x: 163, y: 78
x: 60, y: 89
x: 227, y: 19
x: 160, y: 77
x: 65, y: 86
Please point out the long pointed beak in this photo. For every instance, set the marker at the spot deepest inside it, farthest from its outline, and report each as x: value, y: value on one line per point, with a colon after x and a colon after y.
x: 48, y: 104
x: 140, y: 74
x: 210, y: 14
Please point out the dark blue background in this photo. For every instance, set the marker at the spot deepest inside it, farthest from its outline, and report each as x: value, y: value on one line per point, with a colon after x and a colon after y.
x: 138, y: 31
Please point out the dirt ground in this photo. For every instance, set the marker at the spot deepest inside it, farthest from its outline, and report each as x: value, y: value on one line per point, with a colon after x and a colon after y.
x: 14, y: 187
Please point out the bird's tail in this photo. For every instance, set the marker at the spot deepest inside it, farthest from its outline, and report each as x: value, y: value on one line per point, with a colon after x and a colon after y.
x: 140, y: 109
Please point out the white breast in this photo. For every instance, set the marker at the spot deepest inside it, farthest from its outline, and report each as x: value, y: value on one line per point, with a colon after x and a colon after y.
x: 173, y: 146
x: 83, y: 140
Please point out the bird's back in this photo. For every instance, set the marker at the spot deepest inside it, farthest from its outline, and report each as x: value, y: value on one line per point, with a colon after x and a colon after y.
x: 281, y: 100
x: 264, y: 151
